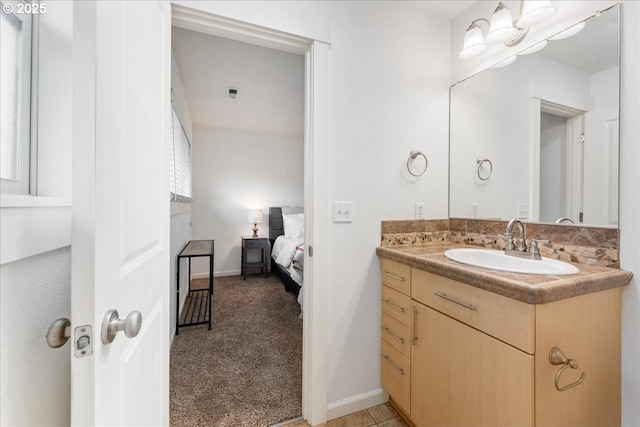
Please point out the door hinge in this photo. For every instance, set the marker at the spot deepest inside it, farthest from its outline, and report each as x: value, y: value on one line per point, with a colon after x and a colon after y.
x: 310, y: 249
x: 580, y: 216
x: 582, y: 138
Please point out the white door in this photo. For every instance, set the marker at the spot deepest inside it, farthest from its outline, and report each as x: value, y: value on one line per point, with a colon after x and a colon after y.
x: 120, y: 225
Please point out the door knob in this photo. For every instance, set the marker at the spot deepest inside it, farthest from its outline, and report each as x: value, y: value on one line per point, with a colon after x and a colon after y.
x: 59, y: 333
x: 112, y: 324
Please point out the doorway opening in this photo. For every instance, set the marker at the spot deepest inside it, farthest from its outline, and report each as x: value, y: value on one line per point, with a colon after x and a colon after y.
x: 315, y: 198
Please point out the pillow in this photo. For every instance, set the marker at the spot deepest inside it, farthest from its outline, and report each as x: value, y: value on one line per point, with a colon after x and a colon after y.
x: 292, y: 210
x: 293, y: 225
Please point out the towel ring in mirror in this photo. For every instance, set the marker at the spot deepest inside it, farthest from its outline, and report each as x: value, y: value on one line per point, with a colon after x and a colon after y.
x: 414, y: 155
x: 480, y: 161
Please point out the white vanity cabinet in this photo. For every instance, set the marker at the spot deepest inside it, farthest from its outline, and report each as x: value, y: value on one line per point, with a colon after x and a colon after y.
x: 479, y: 358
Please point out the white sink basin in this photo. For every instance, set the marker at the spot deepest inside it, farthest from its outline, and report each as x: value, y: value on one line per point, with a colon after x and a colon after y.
x: 498, y: 260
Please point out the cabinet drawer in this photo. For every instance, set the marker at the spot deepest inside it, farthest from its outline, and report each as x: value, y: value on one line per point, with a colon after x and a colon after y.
x: 396, y: 335
x: 396, y: 305
x: 504, y: 318
x: 396, y: 275
x: 254, y: 243
x: 396, y: 376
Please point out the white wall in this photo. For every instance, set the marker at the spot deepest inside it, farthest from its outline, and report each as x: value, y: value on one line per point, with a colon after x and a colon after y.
x: 630, y: 208
x: 235, y: 171
x: 35, y: 271
x: 389, y: 96
x: 35, y: 378
x: 180, y: 222
x: 568, y: 13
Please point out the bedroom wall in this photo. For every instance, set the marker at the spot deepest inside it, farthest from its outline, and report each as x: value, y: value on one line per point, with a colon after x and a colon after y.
x: 235, y: 171
x: 180, y: 222
x: 389, y: 71
x: 629, y: 205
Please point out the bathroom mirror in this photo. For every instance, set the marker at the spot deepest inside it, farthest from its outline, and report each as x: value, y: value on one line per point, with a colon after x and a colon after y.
x: 538, y: 139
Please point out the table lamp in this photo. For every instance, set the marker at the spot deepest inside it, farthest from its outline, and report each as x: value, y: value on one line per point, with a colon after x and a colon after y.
x: 255, y: 217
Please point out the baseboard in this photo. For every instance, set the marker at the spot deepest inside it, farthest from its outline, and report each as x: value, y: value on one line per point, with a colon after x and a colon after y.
x: 216, y: 274
x: 356, y: 403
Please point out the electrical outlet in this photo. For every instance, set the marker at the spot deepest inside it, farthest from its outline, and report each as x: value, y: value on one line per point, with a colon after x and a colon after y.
x: 419, y: 210
x: 474, y: 210
x: 342, y: 211
x: 523, y: 211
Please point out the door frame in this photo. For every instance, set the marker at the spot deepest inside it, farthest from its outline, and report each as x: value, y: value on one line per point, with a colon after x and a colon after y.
x: 315, y: 355
x: 538, y: 106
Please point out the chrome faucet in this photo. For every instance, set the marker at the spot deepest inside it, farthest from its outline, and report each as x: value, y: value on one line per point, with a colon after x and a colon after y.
x: 511, y: 242
x: 519, y: 248
x: 564, y: 219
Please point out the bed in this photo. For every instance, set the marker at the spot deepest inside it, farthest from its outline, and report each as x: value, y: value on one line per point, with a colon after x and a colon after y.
x: 287, y: 252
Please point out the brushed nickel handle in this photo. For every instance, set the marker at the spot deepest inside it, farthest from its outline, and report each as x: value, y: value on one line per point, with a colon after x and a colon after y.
x: 111, y: 325
x: 393, y: 365
x: 394, y: 276
x: 394, y: 336
x: 400, y: 309
x: 455, y: 301
x: 59, y: 333
x: 414, y: 337
x: 557, y: 357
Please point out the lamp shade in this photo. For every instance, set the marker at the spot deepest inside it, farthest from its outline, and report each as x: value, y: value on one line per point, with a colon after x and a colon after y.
x: 535, y: 12
x: 501, y: 28
x: 473, y: 43
x: 256, y: 216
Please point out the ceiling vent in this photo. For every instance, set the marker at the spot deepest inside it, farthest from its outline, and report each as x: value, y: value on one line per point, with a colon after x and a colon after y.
x: 232, y: 92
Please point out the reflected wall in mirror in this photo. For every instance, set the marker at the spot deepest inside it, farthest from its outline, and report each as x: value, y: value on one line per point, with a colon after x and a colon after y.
x: 548, y: 124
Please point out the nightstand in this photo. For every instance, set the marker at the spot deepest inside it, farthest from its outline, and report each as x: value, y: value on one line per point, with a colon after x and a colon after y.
x: 255, y: 244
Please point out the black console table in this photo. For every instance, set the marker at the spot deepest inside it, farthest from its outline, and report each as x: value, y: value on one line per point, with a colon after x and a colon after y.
x: 198, y: 304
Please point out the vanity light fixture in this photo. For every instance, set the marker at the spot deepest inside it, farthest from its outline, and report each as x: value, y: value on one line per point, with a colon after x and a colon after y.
x: 502, y: 29
x: 534, y: 13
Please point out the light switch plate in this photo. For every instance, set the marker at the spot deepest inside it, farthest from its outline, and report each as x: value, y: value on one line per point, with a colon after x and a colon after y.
x: 342, y: 211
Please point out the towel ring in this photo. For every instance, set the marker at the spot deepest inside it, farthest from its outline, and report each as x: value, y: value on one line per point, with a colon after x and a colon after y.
x: 412, y: 156
x: 480, y: 161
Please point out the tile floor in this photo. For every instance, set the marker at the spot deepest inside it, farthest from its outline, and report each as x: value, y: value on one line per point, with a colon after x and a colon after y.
x: 381, y: 416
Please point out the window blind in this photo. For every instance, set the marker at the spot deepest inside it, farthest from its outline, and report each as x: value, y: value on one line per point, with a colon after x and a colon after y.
x: 180, y: 159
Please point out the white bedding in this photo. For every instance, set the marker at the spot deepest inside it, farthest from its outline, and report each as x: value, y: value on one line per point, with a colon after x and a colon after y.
x: 284, y: 251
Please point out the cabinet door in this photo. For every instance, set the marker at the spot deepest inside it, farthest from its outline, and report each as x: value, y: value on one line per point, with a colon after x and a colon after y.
x: 463, y: 377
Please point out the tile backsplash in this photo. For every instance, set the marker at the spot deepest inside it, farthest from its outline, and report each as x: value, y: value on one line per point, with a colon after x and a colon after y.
x: 572, y: 243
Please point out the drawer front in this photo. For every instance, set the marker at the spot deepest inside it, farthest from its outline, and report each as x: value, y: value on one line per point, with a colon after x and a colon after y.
x: 251, y: 244
x: 396, y: 275
x: 504, y: 318
x: 396, y: 376
x: 396, y: 335
x: 396, y: 305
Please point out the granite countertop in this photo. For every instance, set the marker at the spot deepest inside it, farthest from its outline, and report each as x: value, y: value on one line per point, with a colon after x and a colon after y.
x: 529, y: 288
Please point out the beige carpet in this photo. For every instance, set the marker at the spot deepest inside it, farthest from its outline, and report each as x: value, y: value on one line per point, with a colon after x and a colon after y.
x: 246, y: 371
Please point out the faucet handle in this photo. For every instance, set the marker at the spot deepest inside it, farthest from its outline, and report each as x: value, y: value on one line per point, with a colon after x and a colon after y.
x: 509, y: 238
x: 533, y: 245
